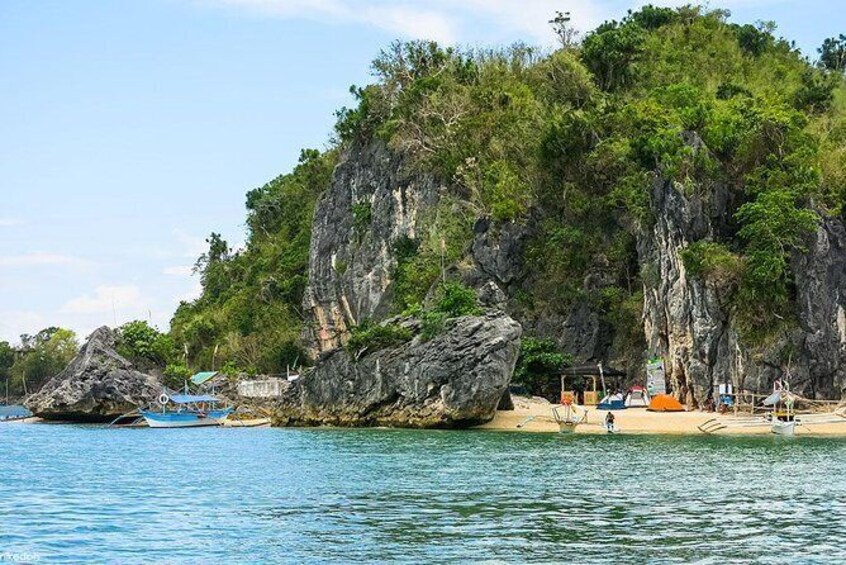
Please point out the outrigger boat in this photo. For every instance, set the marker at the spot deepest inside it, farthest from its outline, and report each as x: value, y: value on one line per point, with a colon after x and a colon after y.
x: 186, y: 411
x: 783, y: 420
x: 567, y: 417
x: 15, y: 413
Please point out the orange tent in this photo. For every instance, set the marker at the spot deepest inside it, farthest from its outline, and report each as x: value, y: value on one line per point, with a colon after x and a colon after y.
x: 665, y: 403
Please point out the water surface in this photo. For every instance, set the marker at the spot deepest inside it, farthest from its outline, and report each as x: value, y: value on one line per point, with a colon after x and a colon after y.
x: 88, y: 494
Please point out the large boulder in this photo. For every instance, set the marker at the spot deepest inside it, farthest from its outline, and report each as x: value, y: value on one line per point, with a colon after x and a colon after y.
x: 456, y: 379
x: 98, y: 385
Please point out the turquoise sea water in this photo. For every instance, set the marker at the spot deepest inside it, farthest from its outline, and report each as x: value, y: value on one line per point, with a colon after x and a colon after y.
x: 88, y: 494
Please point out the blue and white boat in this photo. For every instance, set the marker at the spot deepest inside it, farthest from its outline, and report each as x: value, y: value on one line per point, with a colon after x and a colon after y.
x: 14, y: 413
x: 186, y: 411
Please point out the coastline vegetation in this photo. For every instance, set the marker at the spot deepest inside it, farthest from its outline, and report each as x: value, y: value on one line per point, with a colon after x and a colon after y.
x: 569, y: 141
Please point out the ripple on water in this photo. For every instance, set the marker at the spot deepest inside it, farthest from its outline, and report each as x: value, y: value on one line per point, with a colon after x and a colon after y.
x: 84, y: 493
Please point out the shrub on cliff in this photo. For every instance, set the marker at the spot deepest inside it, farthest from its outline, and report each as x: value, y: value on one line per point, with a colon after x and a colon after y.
x: 372, y: 337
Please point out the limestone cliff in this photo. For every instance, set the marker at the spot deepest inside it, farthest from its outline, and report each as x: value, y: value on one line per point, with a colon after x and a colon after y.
x: 371, y: 202
x: 98, y: 385
x: 375, y: 198
x: 687, y: 319
x: 454, y: 380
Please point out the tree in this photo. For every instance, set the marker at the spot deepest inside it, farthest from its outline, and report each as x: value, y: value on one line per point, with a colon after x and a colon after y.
x: 7, y: 360
x: 833, y: 54
x: 145, y: 345
x: 44, y: 355
x: 539, y: 365
x: 212, y: 266
x: 567, y: 35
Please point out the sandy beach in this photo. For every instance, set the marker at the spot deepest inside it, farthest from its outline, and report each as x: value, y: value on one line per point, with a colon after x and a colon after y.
x: 535, y: 415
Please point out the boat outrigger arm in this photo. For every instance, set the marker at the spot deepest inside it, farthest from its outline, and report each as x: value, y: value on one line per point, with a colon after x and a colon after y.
x: 715, y: 425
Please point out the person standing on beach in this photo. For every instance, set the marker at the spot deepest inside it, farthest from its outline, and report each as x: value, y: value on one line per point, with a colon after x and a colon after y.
x: 609, y: 422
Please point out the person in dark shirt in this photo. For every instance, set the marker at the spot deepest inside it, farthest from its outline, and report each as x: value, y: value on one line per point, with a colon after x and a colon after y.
x: 609, y: 422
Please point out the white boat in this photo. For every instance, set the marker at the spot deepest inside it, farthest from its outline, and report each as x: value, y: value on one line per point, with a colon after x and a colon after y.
x: 783, y: 420
x: 568, y: 418
x: 784, y: 428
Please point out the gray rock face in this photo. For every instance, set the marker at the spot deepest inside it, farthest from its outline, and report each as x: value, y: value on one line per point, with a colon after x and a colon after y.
x: 498, y: 254
x: 683, y: 318
x: 373, y: 201
x: 821, y: 298
x: 457, y: 379
x: 98, y: 385
x: 687, y: 320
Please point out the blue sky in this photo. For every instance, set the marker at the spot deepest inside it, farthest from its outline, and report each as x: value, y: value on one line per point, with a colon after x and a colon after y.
x: 130, y: 130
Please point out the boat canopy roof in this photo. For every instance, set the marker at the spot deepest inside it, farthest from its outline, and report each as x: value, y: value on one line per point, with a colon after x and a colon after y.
x: 192, y: 398
x: 14, y: 411
x: 592, y: 371
x: 778, y: 396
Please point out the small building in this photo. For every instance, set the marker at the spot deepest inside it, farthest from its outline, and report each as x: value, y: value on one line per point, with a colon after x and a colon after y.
x: 262, y: 388
x: 586, y: 383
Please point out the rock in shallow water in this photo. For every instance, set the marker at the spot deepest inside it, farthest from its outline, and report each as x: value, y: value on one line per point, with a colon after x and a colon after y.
x: 454, y: 380
x: 98, y: 385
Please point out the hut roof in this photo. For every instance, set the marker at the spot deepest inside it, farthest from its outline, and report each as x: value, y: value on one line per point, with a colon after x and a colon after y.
x: 591, y: 371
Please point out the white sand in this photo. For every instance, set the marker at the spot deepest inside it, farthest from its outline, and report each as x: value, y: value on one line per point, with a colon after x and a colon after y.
x: 634, y: 421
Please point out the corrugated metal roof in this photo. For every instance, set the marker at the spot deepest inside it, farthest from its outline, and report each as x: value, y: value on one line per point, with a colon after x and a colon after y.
x: 203, y: 377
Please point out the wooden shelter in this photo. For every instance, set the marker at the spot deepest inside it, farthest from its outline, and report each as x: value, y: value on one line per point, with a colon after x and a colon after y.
x: 592, y: 381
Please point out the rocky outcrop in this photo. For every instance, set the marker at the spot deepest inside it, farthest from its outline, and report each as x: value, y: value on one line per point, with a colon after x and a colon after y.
x: 821, y: 300
x: 98, y: 385
x: 375, y: 202
x: 684, y: 320
x: 456, y: 379
x: 372, y: 203
x: 687, y: 320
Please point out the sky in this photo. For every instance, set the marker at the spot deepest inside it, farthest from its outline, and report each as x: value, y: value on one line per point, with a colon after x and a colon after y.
x: 131, y: 130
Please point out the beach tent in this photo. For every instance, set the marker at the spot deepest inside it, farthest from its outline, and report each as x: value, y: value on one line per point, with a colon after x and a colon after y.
x: 612, y: 402
x: 637, y: 397
x: 665, y: 403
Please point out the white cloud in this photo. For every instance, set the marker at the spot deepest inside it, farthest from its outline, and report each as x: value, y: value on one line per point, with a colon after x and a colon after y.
x: 456, y: 21
x: 106, y: 300
x: 179, y: 271
x: 408, y: 19
x: 17, y: 322
x: 528, y: 18
x: 446, y: 21
x: 191, y: 295
x: 10, y: 222
x: 192, y: 246
x: 38, y: 259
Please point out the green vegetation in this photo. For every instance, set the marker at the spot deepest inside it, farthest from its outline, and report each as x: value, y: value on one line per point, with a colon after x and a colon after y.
x: 145, y: 346
x: 570, y: 142
x: 368, y: 335
x: 539, y: 367
x: 575, y: 138
x: 38, y: 358
x: 250, y: 309
x: 452, y: 300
